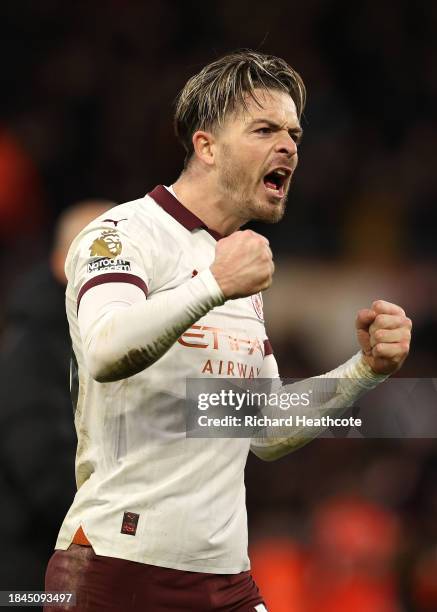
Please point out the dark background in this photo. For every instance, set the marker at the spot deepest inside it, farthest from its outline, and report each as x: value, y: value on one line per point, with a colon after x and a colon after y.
x: 87, y: 92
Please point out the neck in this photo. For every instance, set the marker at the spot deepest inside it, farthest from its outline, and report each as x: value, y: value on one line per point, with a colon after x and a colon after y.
x: 200, y: 195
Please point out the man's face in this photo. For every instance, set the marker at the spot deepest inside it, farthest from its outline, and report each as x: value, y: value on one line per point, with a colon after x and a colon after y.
x: 256, y: 155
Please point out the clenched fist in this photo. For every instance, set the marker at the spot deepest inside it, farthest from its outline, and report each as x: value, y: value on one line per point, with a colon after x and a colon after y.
x: 243, y: 264
x: 384, y: 334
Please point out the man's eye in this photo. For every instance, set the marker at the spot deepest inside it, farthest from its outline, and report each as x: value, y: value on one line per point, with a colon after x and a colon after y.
x: 264, y: 130
x: 297, y: 137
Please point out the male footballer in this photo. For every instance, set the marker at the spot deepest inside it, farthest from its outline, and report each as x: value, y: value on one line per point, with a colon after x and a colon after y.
x: 163, y: 289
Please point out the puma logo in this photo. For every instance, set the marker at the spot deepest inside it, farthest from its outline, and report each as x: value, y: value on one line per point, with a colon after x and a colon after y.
x: 113, y: 221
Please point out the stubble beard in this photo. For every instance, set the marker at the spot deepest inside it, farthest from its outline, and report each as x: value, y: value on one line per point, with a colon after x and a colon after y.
x: 238, y: 190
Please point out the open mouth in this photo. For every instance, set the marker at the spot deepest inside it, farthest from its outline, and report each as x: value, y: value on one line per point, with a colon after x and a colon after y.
x: 276, y: 180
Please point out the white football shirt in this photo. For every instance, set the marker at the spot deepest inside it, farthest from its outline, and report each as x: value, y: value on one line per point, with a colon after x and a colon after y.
x: 146, y: 492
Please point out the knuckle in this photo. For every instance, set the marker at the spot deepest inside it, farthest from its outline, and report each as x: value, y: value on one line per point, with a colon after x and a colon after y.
x: 405, y: 347
x: 379, y: 335
x: 379, y: 349
x: 380, y: 320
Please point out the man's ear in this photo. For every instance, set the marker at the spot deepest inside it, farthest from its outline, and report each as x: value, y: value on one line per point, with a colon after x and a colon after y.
x: 204, y: 146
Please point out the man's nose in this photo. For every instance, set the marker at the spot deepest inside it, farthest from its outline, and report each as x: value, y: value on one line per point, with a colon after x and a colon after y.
x: 286, y: 145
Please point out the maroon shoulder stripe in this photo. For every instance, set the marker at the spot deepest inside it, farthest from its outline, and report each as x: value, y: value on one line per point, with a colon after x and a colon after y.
x: 112, y: 277
x: 267, y: 348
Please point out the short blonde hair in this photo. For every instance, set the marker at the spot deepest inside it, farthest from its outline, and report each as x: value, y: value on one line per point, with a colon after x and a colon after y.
x: 224, y: 84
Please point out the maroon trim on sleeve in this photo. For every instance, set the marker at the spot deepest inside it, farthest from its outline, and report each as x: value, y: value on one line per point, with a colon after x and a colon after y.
x: 178, y: 211
x: 112, y: 277
x: 267, y: 348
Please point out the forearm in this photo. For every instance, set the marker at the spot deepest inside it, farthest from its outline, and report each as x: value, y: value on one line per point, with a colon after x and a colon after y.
x: 332, y: 394
x: 122, y: 341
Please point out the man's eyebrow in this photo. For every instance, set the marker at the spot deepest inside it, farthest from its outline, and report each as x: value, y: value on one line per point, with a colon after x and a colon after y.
x: 297, y: 130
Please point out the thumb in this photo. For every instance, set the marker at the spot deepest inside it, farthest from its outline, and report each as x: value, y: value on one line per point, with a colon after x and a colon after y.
x: 364, y: 320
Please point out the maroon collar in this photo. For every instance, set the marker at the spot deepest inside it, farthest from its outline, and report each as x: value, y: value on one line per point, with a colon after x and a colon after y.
x: 173, y: 207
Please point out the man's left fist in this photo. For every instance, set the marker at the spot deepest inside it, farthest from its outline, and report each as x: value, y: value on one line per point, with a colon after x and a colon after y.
x: 384, y: 334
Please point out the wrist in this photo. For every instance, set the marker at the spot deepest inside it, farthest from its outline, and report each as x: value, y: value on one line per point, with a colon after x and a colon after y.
x: 367, y: 371
x: 221, y: 281
x: 209, y: 280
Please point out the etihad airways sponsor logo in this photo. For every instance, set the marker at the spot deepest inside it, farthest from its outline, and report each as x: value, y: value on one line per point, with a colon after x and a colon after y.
x: 233, y: 369
x: 217, y: 338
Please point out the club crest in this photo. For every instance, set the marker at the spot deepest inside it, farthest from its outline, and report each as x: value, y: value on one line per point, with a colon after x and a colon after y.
x: 257, y: 302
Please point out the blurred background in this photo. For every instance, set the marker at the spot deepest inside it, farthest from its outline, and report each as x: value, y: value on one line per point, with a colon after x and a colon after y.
x: 87, y: 92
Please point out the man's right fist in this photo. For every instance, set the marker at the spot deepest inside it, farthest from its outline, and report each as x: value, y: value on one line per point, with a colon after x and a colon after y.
x: 243, y: 264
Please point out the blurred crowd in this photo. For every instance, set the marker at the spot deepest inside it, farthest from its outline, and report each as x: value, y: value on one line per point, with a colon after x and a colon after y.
x: 86, y: 112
